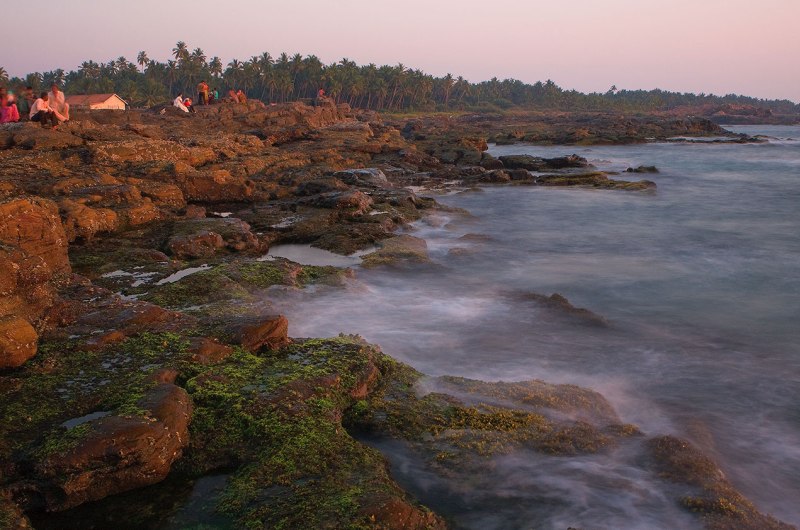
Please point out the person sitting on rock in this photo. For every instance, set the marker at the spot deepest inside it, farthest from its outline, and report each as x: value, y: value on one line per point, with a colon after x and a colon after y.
x: 189, y: 106
x: 8, y: 109
x: 241, y: 97
x: 24, y: 102
x: 178, y: 102
x: 232, y: 95
x: 41, y: 111
x: 58, y: 103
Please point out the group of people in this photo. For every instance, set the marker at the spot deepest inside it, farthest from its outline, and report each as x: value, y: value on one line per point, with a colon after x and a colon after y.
x: 50, y: 108
x: 206, y: 96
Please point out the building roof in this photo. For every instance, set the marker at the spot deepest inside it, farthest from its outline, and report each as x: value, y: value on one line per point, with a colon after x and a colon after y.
x: 87, y: 100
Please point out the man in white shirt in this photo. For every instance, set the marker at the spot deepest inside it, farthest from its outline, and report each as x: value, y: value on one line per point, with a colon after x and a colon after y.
x: 58, y: 103
x: 179, y: 103
x: 41, y: 111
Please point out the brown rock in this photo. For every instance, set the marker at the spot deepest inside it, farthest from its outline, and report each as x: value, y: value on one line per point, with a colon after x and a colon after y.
x: 120, y: 453
x: 33, y: 225
x: 194, y: 212
x: 142, y: 213
x: 11, y: 516
x: 710, y: 494
x: 162, y: 194
x: 84, y: 222
x: 270, y: 332
x: 235, y: 233
x: 560, y: 304
x: 29, y: 135
x: 396, y: 514
x: 203, y: 244
x: 215, y: 186
x: 403, y: 249
x: 208, y: 351
x: 18, y: 341
x: 490, y: 162
x: 366, y: 381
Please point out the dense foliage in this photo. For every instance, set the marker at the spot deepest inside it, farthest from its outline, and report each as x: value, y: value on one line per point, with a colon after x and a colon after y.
x: 385, y: 88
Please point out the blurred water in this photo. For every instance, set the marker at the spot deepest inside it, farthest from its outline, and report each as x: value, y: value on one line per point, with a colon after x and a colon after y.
x: 700, y: 280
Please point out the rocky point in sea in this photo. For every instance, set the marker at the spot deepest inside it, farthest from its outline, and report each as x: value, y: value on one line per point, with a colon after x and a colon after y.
x: 139, y: 347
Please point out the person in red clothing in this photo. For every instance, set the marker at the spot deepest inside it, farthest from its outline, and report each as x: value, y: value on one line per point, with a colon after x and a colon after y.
x: 8, y: 109
x: 202, y: 91
x: 189, y: 106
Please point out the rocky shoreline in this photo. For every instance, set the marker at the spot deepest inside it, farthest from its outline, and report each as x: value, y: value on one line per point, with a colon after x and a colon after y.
x: 139, y: 348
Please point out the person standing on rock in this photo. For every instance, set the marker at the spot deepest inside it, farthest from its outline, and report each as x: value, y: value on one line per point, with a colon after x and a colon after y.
x: 58, y: 103
x: 41, y: 111
x: 178, y: 102
x: 202, y: 91
x: 320, y: 96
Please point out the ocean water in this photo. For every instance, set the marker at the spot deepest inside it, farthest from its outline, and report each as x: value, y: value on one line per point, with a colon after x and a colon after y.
x: 699, y: 280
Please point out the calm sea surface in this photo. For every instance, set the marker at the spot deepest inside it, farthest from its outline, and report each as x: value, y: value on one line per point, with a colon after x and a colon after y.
x: 700, y: 280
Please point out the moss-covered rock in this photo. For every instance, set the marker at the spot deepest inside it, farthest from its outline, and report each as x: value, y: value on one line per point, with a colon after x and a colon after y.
x: 399, y: 250
x: 279, y: 415
x: 715, y: 499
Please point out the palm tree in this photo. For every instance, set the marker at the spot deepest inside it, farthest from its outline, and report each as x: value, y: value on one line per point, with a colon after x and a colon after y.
x: 3, y: 75
x: 447, y: 86
x: 172, y: 71
x: 142, y: 60
x: 199, y: 56
x: 234, y: 72
x: 122, y: 64
x: 215, y: 66
x: 180, y: 51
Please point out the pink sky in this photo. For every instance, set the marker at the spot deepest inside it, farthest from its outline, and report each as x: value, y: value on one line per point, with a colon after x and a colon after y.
x: 712, y: 46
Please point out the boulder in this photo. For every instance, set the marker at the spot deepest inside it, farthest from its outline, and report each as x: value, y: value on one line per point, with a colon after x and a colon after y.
x: 642, y: 169
x: 18, y: 341
x: 398, y: 250
x: 369, y: 177
x: 202, y: 244
x: 33, y: 225
x: 560, y: 305
x: 119, y: 453
x: 234, y: 233
x: 208, y: 351
x: 490, y: 162
x: 266, y: 332
x: 345, y: 203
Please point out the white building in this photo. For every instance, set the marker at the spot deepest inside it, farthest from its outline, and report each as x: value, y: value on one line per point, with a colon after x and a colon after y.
x: 97, y: 102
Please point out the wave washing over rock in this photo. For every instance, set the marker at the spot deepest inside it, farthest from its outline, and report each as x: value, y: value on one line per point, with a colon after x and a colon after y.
x: 150, y: 380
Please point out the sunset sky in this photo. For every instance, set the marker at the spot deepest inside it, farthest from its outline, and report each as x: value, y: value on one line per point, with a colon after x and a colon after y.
x: 712, y: 46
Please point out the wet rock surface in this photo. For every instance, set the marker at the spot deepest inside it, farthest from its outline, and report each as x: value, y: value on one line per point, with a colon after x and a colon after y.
x: 140, y: 351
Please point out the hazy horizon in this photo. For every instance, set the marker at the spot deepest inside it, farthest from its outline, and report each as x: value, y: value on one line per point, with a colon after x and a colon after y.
x: 717, y: 46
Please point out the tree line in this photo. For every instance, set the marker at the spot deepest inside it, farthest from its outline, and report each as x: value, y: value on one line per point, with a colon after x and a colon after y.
x: 146, y: 82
